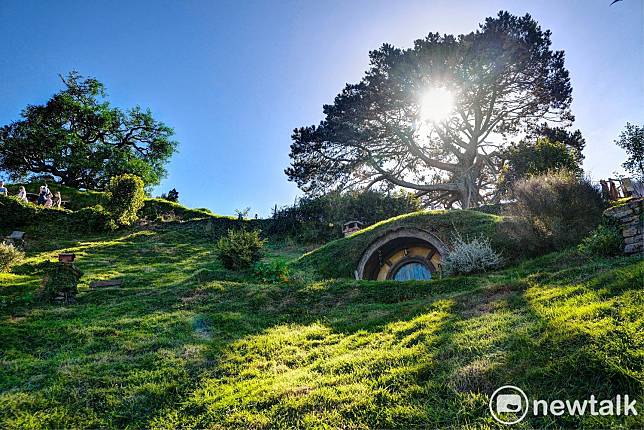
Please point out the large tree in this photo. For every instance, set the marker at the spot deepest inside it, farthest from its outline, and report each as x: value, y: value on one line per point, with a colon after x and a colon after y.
x: 81, y: 140
x: 504, y: 81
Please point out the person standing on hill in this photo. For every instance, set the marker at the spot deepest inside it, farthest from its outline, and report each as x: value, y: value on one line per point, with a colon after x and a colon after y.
x: 22, y: 194
x: 42, y: 195
x: 57, y: 199
x: 3, y: 190
x: 48, y: 201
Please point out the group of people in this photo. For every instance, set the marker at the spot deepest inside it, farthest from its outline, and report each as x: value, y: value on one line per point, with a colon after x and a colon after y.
x: 45, y: 196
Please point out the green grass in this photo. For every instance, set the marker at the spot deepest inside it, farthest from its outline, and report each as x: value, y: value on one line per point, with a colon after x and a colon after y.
x: 164, y: 208
x: 186, y: 343
x: 75, y: 199
x: 154, y: 207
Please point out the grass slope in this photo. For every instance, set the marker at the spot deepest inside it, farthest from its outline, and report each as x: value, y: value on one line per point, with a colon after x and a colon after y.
x: 339, y: 258
x: 74, y: 198
x: 154, y: 207
x: 185, y: 343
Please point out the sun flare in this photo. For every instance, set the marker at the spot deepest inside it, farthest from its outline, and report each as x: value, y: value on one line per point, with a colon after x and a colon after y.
x: 436, y: 104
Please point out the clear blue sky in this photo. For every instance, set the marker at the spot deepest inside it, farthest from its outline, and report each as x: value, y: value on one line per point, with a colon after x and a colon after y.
x: 234, y: 78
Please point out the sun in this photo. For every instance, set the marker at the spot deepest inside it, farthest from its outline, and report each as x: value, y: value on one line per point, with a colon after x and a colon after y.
x: 436, y: 104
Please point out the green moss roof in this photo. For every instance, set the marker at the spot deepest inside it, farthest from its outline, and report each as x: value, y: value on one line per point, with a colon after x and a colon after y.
x: 339, y: 258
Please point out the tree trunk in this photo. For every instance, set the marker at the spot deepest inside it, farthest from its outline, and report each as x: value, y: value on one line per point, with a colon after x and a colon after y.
x: 469, y: 189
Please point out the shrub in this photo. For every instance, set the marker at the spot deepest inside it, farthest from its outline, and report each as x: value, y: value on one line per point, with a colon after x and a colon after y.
x: 471, y: 256
x: 15, y: 212
x: 553, y: 211
x: 238, y: 249
x: 9, y: 256
x: 126, y: 196
x: 92, y: 219
x: 60, y: 283
x: 271, y: 271
x: 604, y: 240
x: 171, y: 196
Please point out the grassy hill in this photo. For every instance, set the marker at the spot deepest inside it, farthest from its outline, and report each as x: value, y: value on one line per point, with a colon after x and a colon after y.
x: 74, y: 198
x: 187, y: 343
x: 339, y: 258
x: 154, y: 207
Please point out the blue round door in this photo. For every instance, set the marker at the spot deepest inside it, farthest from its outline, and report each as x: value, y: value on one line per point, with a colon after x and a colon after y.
x: 413, y: 271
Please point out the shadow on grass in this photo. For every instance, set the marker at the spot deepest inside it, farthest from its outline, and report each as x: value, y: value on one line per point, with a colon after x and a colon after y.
x: 177, y: 347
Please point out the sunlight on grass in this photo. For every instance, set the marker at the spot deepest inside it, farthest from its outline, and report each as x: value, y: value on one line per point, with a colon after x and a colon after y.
x: 186, y: 343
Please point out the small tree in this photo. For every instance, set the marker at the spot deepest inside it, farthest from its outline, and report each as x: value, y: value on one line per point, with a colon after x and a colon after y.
x: 242, y: 213
x: 173, y: 195
x: 239, y: 249
x: 126, y: 197
x: 632, y: 141
x: 527, y: 159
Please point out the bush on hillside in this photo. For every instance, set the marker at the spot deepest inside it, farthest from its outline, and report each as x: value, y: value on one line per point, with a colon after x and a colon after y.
x: 526, y: 159
x: 126, y: 197
x: 604, y: 240
x: 471, y: 256
x: 92, y: 219
x: 60, y: 283
x: 16, y: 213
x: 239, y: 249
x: 171, y: 196
x: 9, y: 257
x: 271, y: 271
x: 553, y: 211
x: 161, y: 208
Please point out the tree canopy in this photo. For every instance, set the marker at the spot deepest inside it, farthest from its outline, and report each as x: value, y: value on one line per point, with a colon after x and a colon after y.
x: 81, y: 140
x: 530, y: 158
x: 505, y: 80
x: 632, y: 141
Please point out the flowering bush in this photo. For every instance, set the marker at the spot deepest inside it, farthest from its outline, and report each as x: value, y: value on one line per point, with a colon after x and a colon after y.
x: 9, y: 256
x: 471, y: 256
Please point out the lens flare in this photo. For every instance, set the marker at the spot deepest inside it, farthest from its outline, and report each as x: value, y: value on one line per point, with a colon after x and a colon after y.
x: 436, y: 104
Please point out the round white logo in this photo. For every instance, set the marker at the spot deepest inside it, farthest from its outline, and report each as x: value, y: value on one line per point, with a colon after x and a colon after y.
x: 507, y: 402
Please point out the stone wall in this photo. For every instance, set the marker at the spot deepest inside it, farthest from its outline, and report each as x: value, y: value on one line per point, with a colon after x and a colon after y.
x: 630, y: 217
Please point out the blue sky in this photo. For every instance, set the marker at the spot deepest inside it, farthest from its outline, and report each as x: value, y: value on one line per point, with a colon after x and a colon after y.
x: 234, y: 78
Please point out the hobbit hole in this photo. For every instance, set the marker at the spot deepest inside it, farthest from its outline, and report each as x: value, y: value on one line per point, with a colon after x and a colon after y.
x: 403, y: 254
